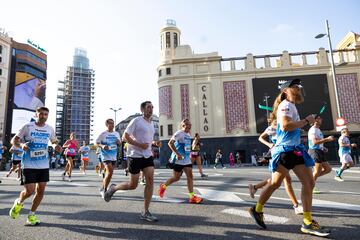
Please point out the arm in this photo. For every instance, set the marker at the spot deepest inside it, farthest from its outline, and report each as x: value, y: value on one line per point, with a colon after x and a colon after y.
x: 131, y: 141
x: 16, y: 141
x: 324, y: 140
x: 173, y: 148
x: 262, y: 138
x: 288, y: 125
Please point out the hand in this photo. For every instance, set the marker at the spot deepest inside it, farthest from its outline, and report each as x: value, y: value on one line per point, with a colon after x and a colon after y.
x: 178, y: 156
x: 330, y: 138
x: 25, y: 146
x: 354, y: 145
x: 106, y: 147
x: 310, y: 119
x: 58, y: 148
x: 40, y: 88
x: 271, y: 145
x: 157, y: 143
x: 143, y: 146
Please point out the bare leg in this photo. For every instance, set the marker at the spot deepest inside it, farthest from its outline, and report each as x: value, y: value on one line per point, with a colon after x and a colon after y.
x: 149, y: 187
x: 190, y: 179
x: 29, y: 189
x: 289, y: 190
x: 176, y: 177
x: 306, y: 178
x: 108, y: 175
x: 39, y: 194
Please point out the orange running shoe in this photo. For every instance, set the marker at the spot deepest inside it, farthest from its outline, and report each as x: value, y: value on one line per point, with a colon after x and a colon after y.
x: 162, y: 190
x: 195, y: 199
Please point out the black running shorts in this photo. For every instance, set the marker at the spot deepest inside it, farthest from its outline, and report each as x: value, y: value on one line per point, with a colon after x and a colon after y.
x: 179, y: 168
x: 289, y: 160
x: 317, y: 154
x: 30, y: 175
x: 137, y: 164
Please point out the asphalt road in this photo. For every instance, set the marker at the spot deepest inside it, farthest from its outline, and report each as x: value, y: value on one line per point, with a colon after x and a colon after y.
x: 75, y: 210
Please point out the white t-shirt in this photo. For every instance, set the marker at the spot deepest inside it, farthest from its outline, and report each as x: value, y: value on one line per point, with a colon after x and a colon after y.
x: 110, y: 139
x: 315, y: 132
x: 141, y: 131
x: 37, y: 138
x: 289, y: 138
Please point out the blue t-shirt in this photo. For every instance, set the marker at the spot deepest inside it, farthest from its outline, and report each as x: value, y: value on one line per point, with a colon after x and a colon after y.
x: 37, y: 139
x: 183, y: 146
x: 17, y: 154
x: 110, y: 139
x: 84, y: 150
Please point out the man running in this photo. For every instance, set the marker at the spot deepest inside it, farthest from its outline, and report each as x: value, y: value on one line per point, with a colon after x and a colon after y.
x: 180, y: 145
x: 108, y: 141
x: 33, y: 138
x: 317, y: 150
x: 139, y: 135
x: 84, y: 152
x: 288, y: 153
x: 16, y: 157
x: 99, y: 169
x: 344, y: 153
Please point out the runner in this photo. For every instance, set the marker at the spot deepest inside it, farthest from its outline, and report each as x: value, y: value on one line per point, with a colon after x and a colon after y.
x: 16, y: 157
x: 317, y: 150
x: 33, y: 138
x: 195, y: 154
x: 270, y: 133
x: 84, y: 152
x: 71, y: 146
x: 139, y: 135
x: 108, y: 141
x: 344, y: 153
x: 100, y: 168
x: 289, y: 154
x: 180, y: 145
x: 2, y: 148
x: 218, y: 158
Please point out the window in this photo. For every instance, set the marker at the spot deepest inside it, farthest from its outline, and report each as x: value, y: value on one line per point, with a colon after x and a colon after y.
x: 161, y: 131
x: 0, y: 71
x: 168, y: 71
x: 170, y: 130
x: 175, y: 40
x: 1, y: 47
x: 168, y: 40
x: 0, y: 59
x: 160, y: 73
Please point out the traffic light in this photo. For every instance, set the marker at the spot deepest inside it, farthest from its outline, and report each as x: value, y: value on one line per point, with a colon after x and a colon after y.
x: 340, y: 124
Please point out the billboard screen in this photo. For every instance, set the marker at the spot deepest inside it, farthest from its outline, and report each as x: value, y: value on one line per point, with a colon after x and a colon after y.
x: 29, y: 94
x: 316, y: 94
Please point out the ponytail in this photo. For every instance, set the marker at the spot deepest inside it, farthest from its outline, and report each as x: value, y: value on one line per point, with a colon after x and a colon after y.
x: 277, y: 101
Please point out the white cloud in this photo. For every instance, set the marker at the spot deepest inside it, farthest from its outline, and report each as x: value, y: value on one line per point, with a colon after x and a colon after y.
x: 283, y: 27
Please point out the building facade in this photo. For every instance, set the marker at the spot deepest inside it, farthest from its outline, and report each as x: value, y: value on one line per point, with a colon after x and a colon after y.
x: 225, y: 98
x: 5, y: 60
x: 75, y: 101
x: 27, y: 86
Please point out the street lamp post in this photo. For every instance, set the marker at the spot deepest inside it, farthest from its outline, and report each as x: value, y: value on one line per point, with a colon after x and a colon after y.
x: 332, y: 65
x: 115, y: 110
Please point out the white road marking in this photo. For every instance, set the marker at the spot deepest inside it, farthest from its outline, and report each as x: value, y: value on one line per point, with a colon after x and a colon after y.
x: 166, y: 199
x: 220, y: 196
x: 68, y: 183
x: 268, y: 217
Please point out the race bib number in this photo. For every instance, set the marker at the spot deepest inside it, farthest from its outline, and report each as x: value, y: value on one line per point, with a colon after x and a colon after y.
x: 37, y: 153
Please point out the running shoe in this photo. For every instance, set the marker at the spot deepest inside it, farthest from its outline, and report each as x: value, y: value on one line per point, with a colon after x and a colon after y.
x: 195, y: 199
x: 126, y: 172
x: 204, y: 175
x: 214, y: 167
x: 339, y: 178
x: 258, y: 217
x: 316, y: 191
x: 147, y: 216
x: 102, y: 192
x: 315, y: 229
x: 69, y: 179
x: 161, y: 190
x: 298, y: 210
x: 15, y: 209
x: 224, y: 167
x: 109, y: 193
x: 32, y: 220
x: 252, y: 190
x: 142, y: 182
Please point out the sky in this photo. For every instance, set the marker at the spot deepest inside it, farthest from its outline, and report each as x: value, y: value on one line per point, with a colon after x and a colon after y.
x: 122, y: 38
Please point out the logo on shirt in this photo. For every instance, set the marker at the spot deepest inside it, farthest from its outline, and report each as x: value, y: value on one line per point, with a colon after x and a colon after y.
x: 285, y: 109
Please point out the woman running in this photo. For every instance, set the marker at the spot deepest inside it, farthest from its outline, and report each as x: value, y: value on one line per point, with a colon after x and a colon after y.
x: 71, y: 146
